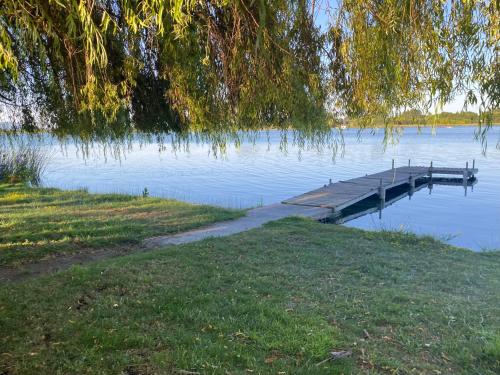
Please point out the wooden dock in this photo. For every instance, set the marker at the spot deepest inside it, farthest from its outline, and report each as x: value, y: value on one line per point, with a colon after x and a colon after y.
x: 358, y: 210
x: 340, y: 195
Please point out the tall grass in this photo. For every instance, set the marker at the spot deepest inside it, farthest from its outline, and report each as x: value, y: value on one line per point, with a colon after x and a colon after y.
x: 22, y: 163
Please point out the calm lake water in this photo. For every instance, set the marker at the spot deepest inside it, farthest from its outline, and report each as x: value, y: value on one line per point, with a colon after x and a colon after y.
x: 260, y: 173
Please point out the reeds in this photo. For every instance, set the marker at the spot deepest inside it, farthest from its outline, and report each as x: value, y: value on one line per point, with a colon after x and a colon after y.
x: 22, y: 163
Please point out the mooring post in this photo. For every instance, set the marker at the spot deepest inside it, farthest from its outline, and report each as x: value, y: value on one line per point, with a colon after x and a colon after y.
x: 330, y: 181
x: 430, y: 171
x: 392, y: 163
x: 409, y: 162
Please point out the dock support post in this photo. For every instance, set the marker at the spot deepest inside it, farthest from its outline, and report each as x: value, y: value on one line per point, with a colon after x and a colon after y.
x: 392, y: 163
x: 381, y: 194
x: 430, y: 184
x: 466, y: 177
x: 381, y: 191
x: 412, y: 184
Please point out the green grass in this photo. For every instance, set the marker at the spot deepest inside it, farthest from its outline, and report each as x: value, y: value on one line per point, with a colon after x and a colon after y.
x: 36, y: 222
x: 273, y: 300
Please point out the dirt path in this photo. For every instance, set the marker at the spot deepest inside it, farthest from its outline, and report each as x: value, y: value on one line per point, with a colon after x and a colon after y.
x: 254, y: 219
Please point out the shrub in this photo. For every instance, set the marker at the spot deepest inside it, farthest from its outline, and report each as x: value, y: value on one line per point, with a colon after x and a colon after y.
x: 22, y: 164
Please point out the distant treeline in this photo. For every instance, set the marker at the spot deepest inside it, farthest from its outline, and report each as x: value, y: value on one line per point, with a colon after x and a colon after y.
x: 416, y: 117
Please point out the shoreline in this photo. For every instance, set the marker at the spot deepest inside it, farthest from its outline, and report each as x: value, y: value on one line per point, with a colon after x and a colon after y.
x: 343, y: 127
x: 223, y: 223
x: 381, y: 126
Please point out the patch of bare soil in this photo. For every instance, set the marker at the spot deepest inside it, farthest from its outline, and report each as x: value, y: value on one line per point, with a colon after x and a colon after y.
x: 64, y: 261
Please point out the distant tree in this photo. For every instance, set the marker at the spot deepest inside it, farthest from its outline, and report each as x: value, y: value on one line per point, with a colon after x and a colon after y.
x: 107, y: 67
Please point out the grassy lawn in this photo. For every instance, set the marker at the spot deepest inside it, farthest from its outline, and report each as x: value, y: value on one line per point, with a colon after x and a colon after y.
x: 273, y: 300
x: 36, y: 222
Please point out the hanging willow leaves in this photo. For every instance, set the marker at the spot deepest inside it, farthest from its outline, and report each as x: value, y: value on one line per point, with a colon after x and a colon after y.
x: 108, y: 67
x: 386, y: 56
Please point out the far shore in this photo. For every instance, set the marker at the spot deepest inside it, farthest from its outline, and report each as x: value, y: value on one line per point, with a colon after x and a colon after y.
x: 344, y: 127
x: 379, y: 126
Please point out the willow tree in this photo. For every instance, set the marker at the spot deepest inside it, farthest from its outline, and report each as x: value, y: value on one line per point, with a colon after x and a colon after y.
x: 91, y: 67
x: 387, y: 56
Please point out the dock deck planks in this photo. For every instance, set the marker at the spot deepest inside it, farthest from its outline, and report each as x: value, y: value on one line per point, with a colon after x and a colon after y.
x: 343, y: 194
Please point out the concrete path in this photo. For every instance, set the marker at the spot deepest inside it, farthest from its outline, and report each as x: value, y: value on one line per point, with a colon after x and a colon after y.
x: 255, y: 218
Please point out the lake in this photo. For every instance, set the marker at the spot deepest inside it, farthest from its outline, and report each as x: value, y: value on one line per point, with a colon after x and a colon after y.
x: 260, y: 173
